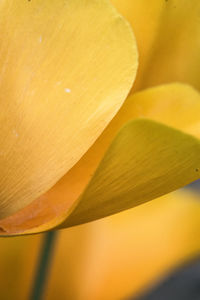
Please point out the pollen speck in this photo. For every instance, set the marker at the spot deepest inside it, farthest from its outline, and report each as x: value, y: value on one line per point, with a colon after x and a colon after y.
x: 15, y: 133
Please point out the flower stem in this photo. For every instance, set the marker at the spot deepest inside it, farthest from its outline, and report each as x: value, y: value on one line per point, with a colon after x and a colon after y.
x: 43, y: 266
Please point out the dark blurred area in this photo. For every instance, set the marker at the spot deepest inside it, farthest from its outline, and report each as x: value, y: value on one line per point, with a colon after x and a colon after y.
x: 195, y: 186
x: 182, y: 284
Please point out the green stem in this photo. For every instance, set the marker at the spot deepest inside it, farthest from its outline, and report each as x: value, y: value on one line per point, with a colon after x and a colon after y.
x: 43, y: 266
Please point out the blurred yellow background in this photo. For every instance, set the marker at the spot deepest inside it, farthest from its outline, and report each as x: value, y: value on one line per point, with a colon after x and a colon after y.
x: 112, y: 258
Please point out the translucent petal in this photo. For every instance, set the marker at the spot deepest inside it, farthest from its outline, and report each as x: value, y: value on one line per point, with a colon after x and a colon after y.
x: 168, y: 36
x: 162, y: 104
x: 65, y: 69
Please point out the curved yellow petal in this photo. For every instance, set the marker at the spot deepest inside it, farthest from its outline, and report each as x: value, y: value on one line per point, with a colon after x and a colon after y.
x: 162, y: 104
x: 118, y: 257
x: 66, y: 68
x: 168, y: 36
x: 176, y: 105
x: 146, y: 160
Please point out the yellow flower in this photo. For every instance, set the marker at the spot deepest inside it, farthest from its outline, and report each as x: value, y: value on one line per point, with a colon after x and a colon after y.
x: 66, y: 69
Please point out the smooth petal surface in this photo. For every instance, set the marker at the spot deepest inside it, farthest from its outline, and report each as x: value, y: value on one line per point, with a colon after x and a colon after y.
x: 168, y: 36
x: 162, y: 104
x: 66, y: 68
x: 146, y: 160
x: 176, y: 105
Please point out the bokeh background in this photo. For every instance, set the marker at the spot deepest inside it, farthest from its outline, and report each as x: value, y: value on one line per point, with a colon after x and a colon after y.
x: 150, y: 252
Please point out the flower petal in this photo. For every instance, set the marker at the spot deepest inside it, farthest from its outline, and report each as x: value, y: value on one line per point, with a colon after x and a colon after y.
x: 66, y: 68
x: 146, y: 160
x: 168, y: 36
x: 176, y: 105
x: 162, y: 104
